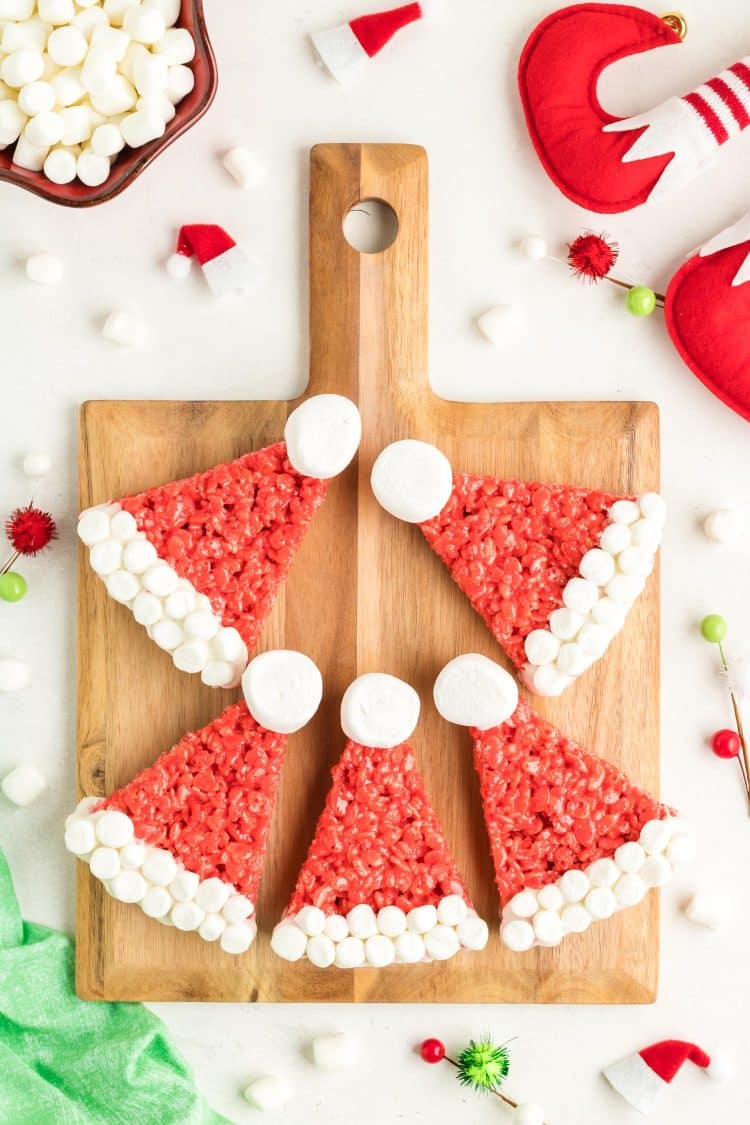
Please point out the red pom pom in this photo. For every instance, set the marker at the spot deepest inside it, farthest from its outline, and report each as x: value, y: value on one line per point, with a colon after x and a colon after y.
x: 30, y: 530
x: 592, y: 256
x: 726, y: 744
x: 432, y: 1051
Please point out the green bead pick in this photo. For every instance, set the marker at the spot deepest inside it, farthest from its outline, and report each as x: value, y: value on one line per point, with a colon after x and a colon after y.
x: 483, y: 1065
x: 641, y: 301
x: 714, y: 628
x: 13, y: 586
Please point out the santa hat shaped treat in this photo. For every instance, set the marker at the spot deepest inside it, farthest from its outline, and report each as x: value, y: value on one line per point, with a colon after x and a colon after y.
x: 552, y: 569
x: 345, y: 50
x: 225, y: 266
x: 642, y: 1079
x: 186, y: 839
x: 573, y: 840
x: 379, y: 884
x: 198, y: 562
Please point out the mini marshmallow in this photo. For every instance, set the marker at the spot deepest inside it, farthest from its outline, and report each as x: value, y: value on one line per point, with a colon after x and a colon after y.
x: 473, y: 932
x: 44, y: 269
x: 23, y: 785
x: 624, y: 588
x: 724, y: 526
x: 212, y: 927
x: 580, y: 595
x: 93, y: 526
x: 474, y: 691
x: 422, y: 918
x: 655, y: 836
x: 99, y: 71
x: 629, y: 890
x: 67, y: 46
x: 499, y: 323
x: 133, y: 855
x: 350, y: 953
x: 113, y: 40
x: 36, y: 97
x: 282, y: 689
x: 228, y: 645
x: 548, y: 928
x: 441, y: 943
x: 88, y: 20
x: 150, y: 74
x: 600, y: 903
x: 107, y: 140
x: 191, y: 657
x: 170, y: 9
x: 609, y: 614
x: 180, y: 83
x: 217, y: 673
x: 652, y: 506
x: 708, y: 909
x: 147, y: 609
x: 574, y: 885
x: 159, y: 867
x: 321, y: 951
x: 237, y: 909
x: 391, y: 921
x: 56, y: 11
x: 76, y: 125
x: 242, y: 166
x: 22, y: 67
x: 576, y: 918
x: 451, y: 910
x: 141, y: 127
x: 597, y: 566
x: 200, y: 625
x: 615, y: 538
x: 122, y: 586
x: 44, y: 130
x: 268, y: 1093
x: 187, y: 916
x: 412, y: 480
x: 157, y: 902
x: 311, y: 920
x: 646, y: 534
x: 656, y: 871
x: 380, y: 951
x: 176, y: 46
x: 114, y: 829
x: 105, y: 863
x: 138, y: 555
x: 593, y: 640
x: 550, y: 897
x: 289, y: 942
x: 603, y: 873
x: 549, y: 681
x: 115, y: 10
x: 116, y: 98
x: 80, y: 838
x: 123, y: 328
x: 333, y: 1052
x: 379, y: 711
x: 144, y: 24
x: 630, y: 857
x: 169, y: 636
x: 60, y: 166
x: 624, y: 511
x: 31, y: 33
x: 336, y: 927
x: 238, y: 939
x: 184, y: 886
x: 410, y: 948
x: 362, y: 921
x: 92, y: 170
x: 16, y: 9
x: 105, y: 557
x: 636, y: 560
x: 565, y: 624
x: 524, y: 904
x: 158, y: 103
x: 68, y: 86
x: 12, y: 121
x: 14, y: 675
x: 541, y: 647
x: 572, y: 660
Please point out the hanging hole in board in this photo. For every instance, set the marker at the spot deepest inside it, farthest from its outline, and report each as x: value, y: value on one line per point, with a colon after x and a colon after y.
x: 371, y: 226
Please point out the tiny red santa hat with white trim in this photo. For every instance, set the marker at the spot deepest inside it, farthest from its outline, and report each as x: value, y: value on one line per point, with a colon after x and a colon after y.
x: 345, y: 50
x: 642, y: 1078
x: 225, y: 266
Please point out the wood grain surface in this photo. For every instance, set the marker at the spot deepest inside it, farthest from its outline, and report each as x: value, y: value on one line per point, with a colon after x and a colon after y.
x: 365, y: 594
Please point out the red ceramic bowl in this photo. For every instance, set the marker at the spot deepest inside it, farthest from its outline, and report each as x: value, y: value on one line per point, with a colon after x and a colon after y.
x: 132, y: 161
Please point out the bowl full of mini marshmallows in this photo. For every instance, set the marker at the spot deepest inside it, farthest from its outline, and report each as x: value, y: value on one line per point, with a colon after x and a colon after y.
x: 91, y: 91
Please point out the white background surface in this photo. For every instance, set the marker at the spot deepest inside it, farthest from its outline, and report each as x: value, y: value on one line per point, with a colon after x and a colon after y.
x: 450, y: 87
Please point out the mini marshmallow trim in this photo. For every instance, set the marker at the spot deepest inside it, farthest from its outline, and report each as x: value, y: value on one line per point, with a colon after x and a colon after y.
x: 556, y: 660
x: 435, y: 932
x: 233, y: 923
x: 189, y: 651
x: 544, y: 917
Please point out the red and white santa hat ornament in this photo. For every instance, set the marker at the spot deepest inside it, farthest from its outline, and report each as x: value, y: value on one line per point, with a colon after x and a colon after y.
x: 225, y: 266
x: 345, y: 50
x: 642, y: 1079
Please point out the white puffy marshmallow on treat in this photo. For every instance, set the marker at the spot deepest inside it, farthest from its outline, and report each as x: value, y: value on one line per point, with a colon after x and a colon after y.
x: 333, y: 1052
x: 607, y: 885
x: 23, y: 785
x: 244, y: 167
x: 412, y: 480
x: 268, y: 1092
x: 379, y: 711
x: 282, y: 690
x: 473, y: 691
x: 322, y: 435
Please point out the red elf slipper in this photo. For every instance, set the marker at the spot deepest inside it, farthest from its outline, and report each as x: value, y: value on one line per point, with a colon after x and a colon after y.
x: 198, y: 562
x: 186, y: 839
x: 552, y: 569
x: 573, y: 840
x: 379, y: 884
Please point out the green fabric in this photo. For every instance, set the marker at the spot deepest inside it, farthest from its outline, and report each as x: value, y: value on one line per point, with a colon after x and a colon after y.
x: 64, y: 1061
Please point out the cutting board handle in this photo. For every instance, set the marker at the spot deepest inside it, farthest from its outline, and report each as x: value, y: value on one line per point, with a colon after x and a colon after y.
x: 368, y: 312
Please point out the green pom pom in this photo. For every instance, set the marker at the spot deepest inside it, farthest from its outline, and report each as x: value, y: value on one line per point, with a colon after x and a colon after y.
x: 483, y: 1065
x: 714, y: 628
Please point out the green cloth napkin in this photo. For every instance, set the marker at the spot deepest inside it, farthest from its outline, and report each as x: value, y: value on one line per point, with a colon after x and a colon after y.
x: 64, y: 1061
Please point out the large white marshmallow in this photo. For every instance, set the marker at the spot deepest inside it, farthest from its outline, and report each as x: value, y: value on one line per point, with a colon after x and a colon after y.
x: 473, y: 691
x: 412, y: 480
x: 282, y: 690
x: 322, y: 435
x: 379, y: 711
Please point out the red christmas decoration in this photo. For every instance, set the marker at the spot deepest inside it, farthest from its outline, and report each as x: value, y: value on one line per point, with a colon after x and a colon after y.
x: 432, y: 1051
x: 30, y: 530
x: 726, y: 744
x: 592, y: 256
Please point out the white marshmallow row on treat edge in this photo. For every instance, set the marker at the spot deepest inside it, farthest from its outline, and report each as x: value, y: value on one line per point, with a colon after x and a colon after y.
x: 322, y: 437
x: 81, y: 81
x: 381, y: 712
x: 413, y: 481
x: 289, y: 687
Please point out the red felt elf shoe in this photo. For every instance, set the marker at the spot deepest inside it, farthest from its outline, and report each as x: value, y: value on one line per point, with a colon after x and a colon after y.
x: 198, y: 562
x: 573, y: 840
x: 379, y: 884
x: 552, y: 569
x: 186, y: 839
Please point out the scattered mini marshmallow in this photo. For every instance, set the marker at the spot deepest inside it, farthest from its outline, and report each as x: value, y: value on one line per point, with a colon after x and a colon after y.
x: 322, y: 435
x: 412, y: 480
x: 225, y: 266
x: 244, y: 167
x: 499, y: 324
x: 334, y: 1052
x: 124, y: 328
x: 709, y: 909
x: 527, y: 1113
x: 23, y: 785
x: 726, y: 526
x: 268, y: 1092
x: 44, y: 269
x: 533, y: 247
x: 14, y: 675
x: 36, y: 465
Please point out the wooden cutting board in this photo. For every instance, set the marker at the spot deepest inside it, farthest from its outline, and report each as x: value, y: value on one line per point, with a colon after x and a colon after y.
x: 365, y: 594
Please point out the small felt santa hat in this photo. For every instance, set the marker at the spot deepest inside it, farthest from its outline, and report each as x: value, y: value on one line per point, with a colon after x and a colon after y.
x: 225, y: 266
x: 186, y: 839
x: 562, y: 858
x: 345, y: 50
x: 552, y: 569
x: 199, y: 561
x: 379, y: 884
x: 641, y: 1079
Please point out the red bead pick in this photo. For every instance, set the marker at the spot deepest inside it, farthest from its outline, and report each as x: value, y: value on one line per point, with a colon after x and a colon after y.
x: 726, y: 744
x: 432, y: 1051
